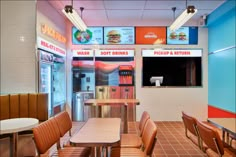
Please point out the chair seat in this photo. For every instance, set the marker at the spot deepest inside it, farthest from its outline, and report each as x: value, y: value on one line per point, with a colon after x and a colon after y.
x: 130, y: 141
x: 127, y: 152
x: 72, y: 152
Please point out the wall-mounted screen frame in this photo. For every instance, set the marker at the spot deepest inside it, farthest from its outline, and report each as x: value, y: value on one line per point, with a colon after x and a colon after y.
x: 92, y: 36
x: 182, y: 36
x: 119, y: 35
x: 176, y: 67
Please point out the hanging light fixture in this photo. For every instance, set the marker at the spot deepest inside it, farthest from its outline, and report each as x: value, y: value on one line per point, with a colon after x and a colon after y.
x: 73, y: 16
x: 183, y: 18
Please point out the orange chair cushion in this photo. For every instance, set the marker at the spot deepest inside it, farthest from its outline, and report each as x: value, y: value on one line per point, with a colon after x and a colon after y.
x: 130, y: 141
x: 64, y: 122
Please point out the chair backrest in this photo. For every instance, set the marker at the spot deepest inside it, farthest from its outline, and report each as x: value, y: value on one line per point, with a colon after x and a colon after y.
x: 45, y: 135
x: 149, y: 137
x: 190, y: 123
x: 64, y: 123
x: 210, y: 137
x: 143, y: 120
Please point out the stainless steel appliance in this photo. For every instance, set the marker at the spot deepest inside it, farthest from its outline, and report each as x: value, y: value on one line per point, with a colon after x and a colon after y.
x: 79, y: 111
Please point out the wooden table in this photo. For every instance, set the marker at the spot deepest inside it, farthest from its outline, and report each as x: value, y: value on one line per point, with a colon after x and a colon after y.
x: 14, y: 126
x: 228, y: 126
x: 124, y: 102
x: 98, y: 132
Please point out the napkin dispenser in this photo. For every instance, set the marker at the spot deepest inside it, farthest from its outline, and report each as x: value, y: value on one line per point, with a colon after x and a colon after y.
x: 157, y: 80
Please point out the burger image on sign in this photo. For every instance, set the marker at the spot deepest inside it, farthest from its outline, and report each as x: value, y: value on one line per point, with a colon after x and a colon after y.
x: 173, y: 35
x: 113, y: 37
x: 182, y: 36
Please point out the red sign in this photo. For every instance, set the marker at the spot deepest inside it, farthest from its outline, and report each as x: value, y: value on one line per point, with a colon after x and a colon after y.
x: 150, y: 35
x: 45, y: 45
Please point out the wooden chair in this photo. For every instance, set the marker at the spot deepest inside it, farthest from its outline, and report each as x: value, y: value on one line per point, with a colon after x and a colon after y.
x: 211, y: 138
x: 148, y: 139
x: 47, y: 134
x: 64, y: 124
x: 191, y: 131
x: 134, y: 140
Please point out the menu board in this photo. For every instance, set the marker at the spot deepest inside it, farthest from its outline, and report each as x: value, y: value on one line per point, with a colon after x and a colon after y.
x: 150, y: 35
x: 93, y: 35
x: 119, y: 35
x: 182, y: 36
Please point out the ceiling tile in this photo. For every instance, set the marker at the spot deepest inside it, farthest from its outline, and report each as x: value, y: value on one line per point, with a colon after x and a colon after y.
x: 165, y: 5
x: 119, y: 4
x: 126, y: 14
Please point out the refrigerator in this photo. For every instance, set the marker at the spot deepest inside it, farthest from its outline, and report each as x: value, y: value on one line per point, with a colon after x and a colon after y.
x: 52, y: 79
x: 45, y: 76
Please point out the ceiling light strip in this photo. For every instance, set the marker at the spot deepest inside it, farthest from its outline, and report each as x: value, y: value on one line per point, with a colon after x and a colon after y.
x: 182, y: 19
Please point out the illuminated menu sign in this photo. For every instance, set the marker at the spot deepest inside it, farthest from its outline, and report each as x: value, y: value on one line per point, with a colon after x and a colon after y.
x: 119, y: 35
x: 92, y: 36
x: 114, y: 53
x: 172, y: 53
x: 82, y: 53
x: 182, y: 36
x: 150, y: 35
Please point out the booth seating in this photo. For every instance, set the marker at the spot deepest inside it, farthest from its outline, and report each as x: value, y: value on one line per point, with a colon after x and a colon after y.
x: 47, y: 134
x: 32, y: 105
x: 134, y: 140
x: 191, y: 131
x: 27, y: 105
x: 149, y: 140
x: 211, y: 138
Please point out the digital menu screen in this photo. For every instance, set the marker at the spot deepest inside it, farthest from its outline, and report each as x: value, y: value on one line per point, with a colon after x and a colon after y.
x: 182, y: 36
x: 150, y: 35
x: 119, y: 35
x: 93, y: 35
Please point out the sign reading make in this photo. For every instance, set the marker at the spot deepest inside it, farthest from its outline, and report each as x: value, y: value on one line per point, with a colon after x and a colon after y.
x: 114, y: 53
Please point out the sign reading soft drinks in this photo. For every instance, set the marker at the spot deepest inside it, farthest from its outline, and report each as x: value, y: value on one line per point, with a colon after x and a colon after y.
x: 114, y: 53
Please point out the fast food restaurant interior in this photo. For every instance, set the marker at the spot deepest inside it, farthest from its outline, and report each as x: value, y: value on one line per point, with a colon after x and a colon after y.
x: 118, y: 78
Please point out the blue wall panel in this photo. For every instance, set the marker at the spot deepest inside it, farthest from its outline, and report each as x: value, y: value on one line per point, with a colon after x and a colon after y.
x: 221, y: 78
x: 221, y: 66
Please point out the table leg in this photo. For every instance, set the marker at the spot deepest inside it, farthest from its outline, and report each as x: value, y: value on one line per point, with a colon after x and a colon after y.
x: 13, y: 150
x: 125, y: 118
x: 99, y: 111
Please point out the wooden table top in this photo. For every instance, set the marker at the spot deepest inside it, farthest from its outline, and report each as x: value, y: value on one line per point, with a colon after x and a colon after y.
x: 226, y: 123
x: 96, y: 102
x: 98, y: 132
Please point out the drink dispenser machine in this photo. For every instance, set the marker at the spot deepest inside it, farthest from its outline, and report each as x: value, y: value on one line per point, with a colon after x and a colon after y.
x: 126, y: 75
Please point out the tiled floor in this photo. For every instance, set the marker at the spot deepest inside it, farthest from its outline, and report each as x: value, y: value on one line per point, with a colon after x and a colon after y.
x: 171, y: 141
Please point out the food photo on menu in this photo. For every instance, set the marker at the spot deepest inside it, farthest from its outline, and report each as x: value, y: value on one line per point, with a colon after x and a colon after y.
x: 93, y: 35
x: 119, y: 35
x: 180, y: 36
x: 113, y: 37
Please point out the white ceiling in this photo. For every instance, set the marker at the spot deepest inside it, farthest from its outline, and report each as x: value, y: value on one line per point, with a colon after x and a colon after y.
x: 136, y: 12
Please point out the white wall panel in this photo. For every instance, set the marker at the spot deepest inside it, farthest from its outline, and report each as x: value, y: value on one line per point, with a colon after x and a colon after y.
x: 18, y: 35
